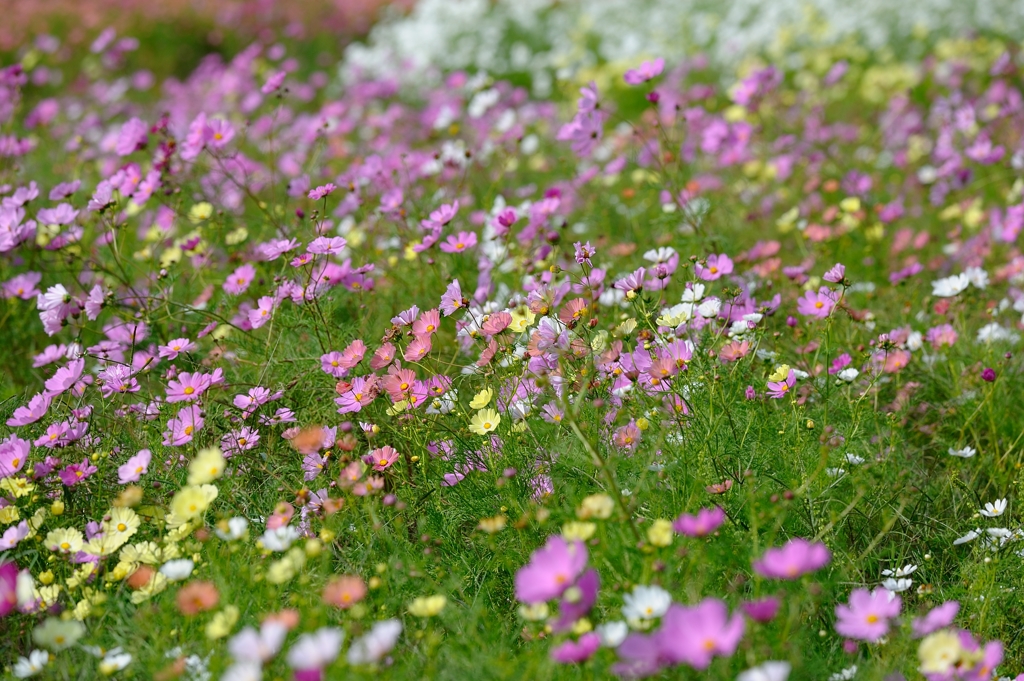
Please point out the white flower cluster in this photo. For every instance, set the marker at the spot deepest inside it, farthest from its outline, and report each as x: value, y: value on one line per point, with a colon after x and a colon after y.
x: 547, y: 38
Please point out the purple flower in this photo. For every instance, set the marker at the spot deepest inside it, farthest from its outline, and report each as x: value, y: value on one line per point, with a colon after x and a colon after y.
x: 13, y: 535
x: 645, y: 72
x: 572, y: 652
x: 577, y: 601
x: 551, y: 570
x: 763, y: 610
x: 795, y: 558
x: 866, y: 617
x: 937, y: 618
x: 705, y: 522
x: 988, y: 375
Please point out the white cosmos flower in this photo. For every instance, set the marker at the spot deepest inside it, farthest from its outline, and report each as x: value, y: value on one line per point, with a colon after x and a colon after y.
x: 994, y: 510
x: 236, y: 528
x: 977, y: 276
x: 766, y: 671
x: 853, y: 459
x: 950, y: 286
x: 849, y: 374
x: 177, y: 569
x: 280, y: 538
x: 904, y: 571
x: 31, y: 665
x: 964, y: 453
x: 612, y: 633
x: 897, y: 585
x: 375, y: 644
x: 646, y: 602
x: 969, y: 537
x: 316, y: 650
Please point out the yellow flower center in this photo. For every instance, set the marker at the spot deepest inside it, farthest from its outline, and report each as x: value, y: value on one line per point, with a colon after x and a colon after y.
x: 189, y: 390
x: 65, y: 546
x: 121, y: 527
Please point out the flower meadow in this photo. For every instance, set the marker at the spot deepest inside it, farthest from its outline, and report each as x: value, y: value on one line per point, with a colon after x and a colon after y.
x: 683, y: 371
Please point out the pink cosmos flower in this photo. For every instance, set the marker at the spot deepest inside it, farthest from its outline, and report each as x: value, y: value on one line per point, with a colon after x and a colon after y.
x: 816, y: 304
x: 323, y: 191
x: 261, y: 315
x: 779, y: 389
x: 182, y: 428
x: 22, y: 286
x: 77, y: 472
x: 353, y: 354
x: 240, y: 440
x: 704, y: 523
x: 717, y: 266
x: 255, y: 398
x: 459, y: 243
x: 176, y: 347
x: 239, y: 280
x: 8, y: 588
x: 937, y: 618
x: 362, y: 392
x: 645, y: 72
x: 64, y: 378
x: 573, y: 652
x: 117, y: 379
x: 417, y: 349
x: 35, y: 410
x: 330, y: 364
x: 327, y: 245
x: 383, y: 356
x: 427, y: 324
x: 381, y: 459
x: 187, y: 387
x: 12, y: 536
x: 836, y: 274
x: 134, y: 468
x: 795, y: 558
x: 452, y: 299
x: 551, y: 570
x: 866, y: 617
x: 695, y: 635
x: 13, y: 455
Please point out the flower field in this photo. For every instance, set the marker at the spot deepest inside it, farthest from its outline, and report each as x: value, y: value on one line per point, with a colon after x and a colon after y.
x: 676, y: 368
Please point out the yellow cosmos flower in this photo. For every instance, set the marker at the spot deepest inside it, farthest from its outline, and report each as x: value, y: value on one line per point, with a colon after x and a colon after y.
x: 484, y: 421
x: 427, y: 606
x: 64, y: 540
x: 206, y: 467
x: 482, y: 399
x: 660, y: 532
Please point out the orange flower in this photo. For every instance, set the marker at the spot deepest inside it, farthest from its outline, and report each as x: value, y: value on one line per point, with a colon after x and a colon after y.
x: 288, y: 618
x: 344, y: 591
x: 141, y: 577
x: 197, y: 597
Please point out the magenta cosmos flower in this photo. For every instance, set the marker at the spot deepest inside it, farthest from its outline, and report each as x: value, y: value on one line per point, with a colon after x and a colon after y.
x: 705, y: 522
x: 867, y: 615
x: 795, y: 558
x: 696, y: 635
x: 551, y: 570
x: 572, y: 652
x: 718, y: 266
